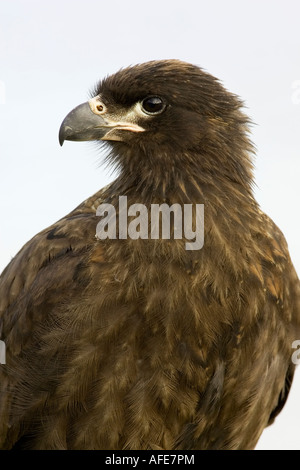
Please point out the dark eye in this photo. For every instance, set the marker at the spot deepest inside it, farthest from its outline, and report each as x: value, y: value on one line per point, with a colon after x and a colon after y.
x: 153, y: 105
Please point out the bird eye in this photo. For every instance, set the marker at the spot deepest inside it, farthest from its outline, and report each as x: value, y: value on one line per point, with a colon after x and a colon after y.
x: 153, y: 105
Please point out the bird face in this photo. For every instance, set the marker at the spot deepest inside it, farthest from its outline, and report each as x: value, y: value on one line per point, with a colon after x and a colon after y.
x: 95, y: 120
x: 104, y: 118
x: 159, y: 102
x: 162, y: 117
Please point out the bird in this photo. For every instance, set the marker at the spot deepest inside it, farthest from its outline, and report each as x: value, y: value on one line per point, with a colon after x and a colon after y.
x: 122, y: 342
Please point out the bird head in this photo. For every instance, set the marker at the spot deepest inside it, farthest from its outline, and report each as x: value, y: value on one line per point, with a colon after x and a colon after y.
x: 163, y: 108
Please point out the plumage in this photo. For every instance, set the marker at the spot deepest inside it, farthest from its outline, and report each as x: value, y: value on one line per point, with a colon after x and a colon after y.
x: 140, y: 343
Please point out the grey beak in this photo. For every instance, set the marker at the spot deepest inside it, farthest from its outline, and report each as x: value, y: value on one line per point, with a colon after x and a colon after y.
x: 82, y: 124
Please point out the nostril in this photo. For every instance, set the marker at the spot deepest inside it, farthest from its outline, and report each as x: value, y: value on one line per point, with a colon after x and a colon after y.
x: 99, y: 108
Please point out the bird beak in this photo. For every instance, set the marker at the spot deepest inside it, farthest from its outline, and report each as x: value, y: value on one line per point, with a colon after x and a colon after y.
x: 86, y: 123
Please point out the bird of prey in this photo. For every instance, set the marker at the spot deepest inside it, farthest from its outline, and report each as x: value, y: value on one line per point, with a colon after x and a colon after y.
x: 137, y: 342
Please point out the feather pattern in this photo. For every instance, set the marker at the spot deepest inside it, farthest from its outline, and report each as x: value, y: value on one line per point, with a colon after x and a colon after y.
x: 141, y: 344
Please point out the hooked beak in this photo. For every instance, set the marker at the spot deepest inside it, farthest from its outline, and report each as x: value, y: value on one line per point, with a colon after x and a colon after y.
x: 85, y: 123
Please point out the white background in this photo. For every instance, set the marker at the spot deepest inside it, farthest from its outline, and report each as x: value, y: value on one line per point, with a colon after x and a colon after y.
x: 53, y: 52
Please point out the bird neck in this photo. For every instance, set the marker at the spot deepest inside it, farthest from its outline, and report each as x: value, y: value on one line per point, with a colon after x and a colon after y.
x: 184, y: 178
x: 229, y: 209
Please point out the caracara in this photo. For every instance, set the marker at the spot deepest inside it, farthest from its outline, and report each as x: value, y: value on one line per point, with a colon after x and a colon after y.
x: 117, y: 339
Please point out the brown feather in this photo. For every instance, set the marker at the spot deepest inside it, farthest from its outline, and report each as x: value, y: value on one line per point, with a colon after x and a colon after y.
x: 141, y: 344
